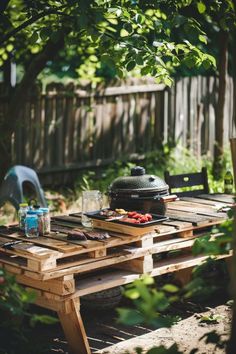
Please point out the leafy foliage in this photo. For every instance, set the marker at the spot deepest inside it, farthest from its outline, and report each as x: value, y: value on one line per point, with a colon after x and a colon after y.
x: 174, y: 159
x: 104, y: 33
x: 16, y: 320
x: 211, y: 318
x: 150, y: 303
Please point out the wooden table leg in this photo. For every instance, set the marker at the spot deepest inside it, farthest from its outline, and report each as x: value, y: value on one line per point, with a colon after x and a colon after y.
x: 73, y: 327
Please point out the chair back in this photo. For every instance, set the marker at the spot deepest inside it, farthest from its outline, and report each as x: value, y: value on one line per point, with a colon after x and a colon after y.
x: 12, y: 186
x: 195, y: 179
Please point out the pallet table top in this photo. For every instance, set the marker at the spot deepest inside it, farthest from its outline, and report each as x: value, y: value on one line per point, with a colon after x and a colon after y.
x: 61, y: 270
x: 54, y: 256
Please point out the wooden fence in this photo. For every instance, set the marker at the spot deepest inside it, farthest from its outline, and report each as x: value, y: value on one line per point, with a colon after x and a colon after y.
x: 67, y: 128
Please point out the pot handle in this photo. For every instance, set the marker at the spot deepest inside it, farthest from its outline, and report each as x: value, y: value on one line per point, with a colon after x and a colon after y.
x: 165, y: 199
x: 169, y: 198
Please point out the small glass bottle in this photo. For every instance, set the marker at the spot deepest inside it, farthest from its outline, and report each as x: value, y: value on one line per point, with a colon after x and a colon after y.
x: 47, y: 221
x: 39, y: 213
x: 22, y: 215
x: 228, y: 183
x: 31, y: 224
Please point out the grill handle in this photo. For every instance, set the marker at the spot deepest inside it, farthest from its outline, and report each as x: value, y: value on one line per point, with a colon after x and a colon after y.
x: 169, y: 198
x: 165, y: 199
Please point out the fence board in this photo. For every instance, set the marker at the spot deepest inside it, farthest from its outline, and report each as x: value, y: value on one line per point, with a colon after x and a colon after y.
x: 68, y: 127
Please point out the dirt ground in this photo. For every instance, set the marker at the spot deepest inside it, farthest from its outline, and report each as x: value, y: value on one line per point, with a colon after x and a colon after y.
x: 186, y: 333
x: 107, y: 337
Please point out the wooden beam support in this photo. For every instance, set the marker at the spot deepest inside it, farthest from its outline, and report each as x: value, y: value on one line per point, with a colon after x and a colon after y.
x: 73, y: 327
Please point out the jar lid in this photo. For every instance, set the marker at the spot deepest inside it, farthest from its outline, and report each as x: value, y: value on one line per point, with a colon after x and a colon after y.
x: 38, y: 212
x: 31, y: 212
x: 45, y: 210
x: 23, y: 205
x: 33, y: 216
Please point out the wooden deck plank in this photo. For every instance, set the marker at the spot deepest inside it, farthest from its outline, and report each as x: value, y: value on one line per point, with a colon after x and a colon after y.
x: 204, y: 202
x: 110, y: 279
x: 53, y: 244
x: 181, y: 262
x: 199, y: 210
x: 223, y: 198
x: 195, y: 219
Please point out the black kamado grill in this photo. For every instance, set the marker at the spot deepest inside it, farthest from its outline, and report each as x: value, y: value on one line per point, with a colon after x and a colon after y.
x: 140, y: 192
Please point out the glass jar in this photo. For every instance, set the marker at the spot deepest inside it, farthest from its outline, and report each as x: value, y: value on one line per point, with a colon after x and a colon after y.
x: 22, y: 215
x: 39, y: 213
x: 91, y: 203
x: 46, y: 220
x: 31, y: 225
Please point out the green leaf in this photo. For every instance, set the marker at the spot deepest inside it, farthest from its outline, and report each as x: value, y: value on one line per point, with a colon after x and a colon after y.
x: 93, y: 58
x: 4, y: 56
x: 132, y: 294
x: 42, y: 319
x: 167, y: 81
x: 139, y: 18
x: 33, y: 39
x: 129, y: 317
x: 119, y: 73
x: 170, y: 288
x: 131, y: 65
x: 190, y: 62
x: 113, y: 21
x: 211, y: 318
x: 124, y: 33
x: 202, y: 38
x: 45, y: 33
x: 145, y: 70
x: 161, y: 301
x: 10, y: 47
x: 201, y: 7
x: 128, y: 27
x: 139, y: 59
x: 147, y: 280
x: 157, y: 44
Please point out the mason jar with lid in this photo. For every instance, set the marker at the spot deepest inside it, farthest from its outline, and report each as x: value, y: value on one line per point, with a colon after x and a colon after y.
x: 46, y: 220
x: 22, y: 215
x: 31, y: 224
x: 39, y: 213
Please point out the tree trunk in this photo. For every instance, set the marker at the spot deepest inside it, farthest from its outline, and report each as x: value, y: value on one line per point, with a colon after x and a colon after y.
x: 219, y: 120
x: 19, y: 98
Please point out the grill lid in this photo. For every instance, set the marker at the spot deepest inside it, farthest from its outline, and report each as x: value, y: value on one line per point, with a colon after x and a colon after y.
x: 138, y: 181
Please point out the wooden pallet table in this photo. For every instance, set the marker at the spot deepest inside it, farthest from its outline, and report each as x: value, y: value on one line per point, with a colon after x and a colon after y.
x: 62, y: 271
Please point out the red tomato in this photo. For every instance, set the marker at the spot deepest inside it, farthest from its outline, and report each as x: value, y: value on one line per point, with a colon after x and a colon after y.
x: 131, y: 213
x: 149, y: 217
x: 143, y: 219
x: 132, y: 221
x: 137, y: 216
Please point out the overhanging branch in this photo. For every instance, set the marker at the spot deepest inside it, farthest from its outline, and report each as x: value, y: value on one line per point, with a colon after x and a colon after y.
x: 30, y: 21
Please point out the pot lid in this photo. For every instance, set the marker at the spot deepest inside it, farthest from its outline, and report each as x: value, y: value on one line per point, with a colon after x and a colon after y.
x: 138, y: 180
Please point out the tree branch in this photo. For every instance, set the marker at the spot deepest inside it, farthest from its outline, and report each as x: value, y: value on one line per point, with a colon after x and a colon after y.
x: 27, y: 23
